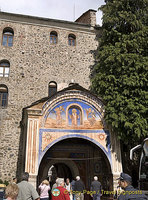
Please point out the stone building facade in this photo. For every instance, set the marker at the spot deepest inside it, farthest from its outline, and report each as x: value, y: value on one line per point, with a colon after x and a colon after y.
x: 33, y: 60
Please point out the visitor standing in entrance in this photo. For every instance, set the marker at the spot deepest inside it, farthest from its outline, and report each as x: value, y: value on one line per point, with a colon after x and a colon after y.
x: 78, y: 189
x: 96, y: 188
x: 55, y: 184
x: 44, y: 188
x: 26, y: 190
x: 68, y: 187
x: 60, y: 193
x: 72, y: 186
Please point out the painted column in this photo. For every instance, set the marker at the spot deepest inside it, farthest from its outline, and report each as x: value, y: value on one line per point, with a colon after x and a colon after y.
x: 116, y: 159
x: 31, y: 164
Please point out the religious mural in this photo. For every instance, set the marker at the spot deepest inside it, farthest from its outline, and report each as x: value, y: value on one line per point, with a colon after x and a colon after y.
x: 49, y: 136
x: 73, y: 118
x: 73, y: 115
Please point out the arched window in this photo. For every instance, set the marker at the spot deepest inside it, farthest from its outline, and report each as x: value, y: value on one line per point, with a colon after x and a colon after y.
x: 4, y: 68
x: 53, y: 37
x: 52, y: 88
x: 8, y: 34
x: 3, y: 96
x: 71, y: 40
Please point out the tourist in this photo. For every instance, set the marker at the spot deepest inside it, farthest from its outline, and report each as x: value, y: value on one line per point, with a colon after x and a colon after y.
x: 72, y: 187
x: 44, y: 190
x: 129, y: 192
x: 68, y: 187
x: 78, y: 189
x: 60, y: 193
x: 26, y: 190
x: 14, y: 180
x: 11, y: 191
x: 96, y: 188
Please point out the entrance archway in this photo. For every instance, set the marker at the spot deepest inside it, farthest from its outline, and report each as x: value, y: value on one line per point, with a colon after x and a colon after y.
x: 60, y: 170
x: 75, y: 156
x: 52, y: 168
x: 69, y: 131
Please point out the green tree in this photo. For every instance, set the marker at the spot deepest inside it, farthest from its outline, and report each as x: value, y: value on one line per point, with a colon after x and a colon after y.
x: 120, y: 76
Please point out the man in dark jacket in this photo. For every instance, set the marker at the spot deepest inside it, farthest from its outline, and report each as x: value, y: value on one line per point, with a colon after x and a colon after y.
x: 96, y: 188
x: 78, y: 189
x: 129, y: 193
x: 73, y: 187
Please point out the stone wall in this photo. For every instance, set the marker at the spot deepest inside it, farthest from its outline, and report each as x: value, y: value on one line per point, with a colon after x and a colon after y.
x: 34, y: 62
x: 88, y: 17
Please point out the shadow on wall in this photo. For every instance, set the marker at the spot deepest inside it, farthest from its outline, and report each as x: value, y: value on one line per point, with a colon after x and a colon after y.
x: 22, y: 148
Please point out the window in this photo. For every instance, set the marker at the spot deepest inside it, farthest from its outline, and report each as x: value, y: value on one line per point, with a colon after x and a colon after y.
x: 4, y: 68
x: 3, y: 96
x: 8, y: 37
x: 53, y: 37
x: 72, y: 40
x: 52, y: 88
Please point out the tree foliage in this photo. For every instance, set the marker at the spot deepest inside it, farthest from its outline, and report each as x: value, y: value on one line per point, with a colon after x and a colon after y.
x: 120, y: 77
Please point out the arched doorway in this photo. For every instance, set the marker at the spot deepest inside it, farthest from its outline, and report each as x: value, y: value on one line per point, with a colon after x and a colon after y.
x: 69, y: 132
x: 76, y: 156
x: 61, y: 170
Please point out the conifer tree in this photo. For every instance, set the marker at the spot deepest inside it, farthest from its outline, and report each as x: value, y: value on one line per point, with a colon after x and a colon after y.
x: 120, y: 76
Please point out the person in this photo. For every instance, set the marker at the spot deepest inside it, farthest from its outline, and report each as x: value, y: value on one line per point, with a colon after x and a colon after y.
x: 26, y: 190
x: 78, y: 189
x: 44, y: 190
x: 68, y: 187
x: 11, y: 191
x: 129, y: 193
x: 14, y: 180
x: 55, y: 184
x: 96, y: 188
x: 72, y: 187
x: 60, y: 193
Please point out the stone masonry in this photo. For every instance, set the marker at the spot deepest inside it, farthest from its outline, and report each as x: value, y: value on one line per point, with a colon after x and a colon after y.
x: 34, y: 62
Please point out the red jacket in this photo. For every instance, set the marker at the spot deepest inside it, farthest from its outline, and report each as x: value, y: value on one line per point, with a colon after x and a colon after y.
x: 60, y: 193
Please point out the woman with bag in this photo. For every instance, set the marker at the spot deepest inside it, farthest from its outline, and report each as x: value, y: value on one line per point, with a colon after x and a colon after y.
x: 44, y: 190
x: 68, y: 188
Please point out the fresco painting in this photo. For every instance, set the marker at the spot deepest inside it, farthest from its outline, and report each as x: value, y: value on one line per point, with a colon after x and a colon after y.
x: 49, y: 135
x: 58, y: 113
x: 73, y: 115
x: 46, y: 139
x: 73, y: 118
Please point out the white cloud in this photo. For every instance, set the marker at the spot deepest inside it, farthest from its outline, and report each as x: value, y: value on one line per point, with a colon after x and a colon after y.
x: 56, y: 9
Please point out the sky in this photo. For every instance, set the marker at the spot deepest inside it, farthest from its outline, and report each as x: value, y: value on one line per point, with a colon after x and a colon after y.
x: 68, y: 10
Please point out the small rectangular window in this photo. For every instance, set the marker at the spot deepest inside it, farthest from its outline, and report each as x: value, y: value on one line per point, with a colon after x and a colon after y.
x: 1, y: 71
x: 4, y: 40
x: 10, y: 41
x: 55, y: 40
x: 3, y: 99
x: 6, y: 71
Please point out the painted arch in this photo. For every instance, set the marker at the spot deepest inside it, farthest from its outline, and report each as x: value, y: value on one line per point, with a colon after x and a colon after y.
x: 68, y: 114
x: 73, y: 117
